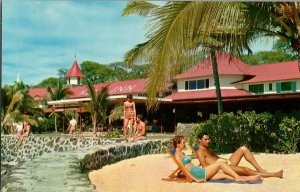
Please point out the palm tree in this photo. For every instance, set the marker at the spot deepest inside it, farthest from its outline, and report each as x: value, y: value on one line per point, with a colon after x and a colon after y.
x: 116, y: 113
x: 17, y: 105
x: 98, y: 104
x: 276, y: 19
x: 59, y: 93
x: 179, y: 31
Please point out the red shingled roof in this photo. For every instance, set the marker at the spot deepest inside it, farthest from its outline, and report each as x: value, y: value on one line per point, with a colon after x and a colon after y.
x: 206, y: 94
x: 38, y: 92
x: 114, y: 88
x: 273, y: 72
x: 75, y: 71
x: 227, y: 65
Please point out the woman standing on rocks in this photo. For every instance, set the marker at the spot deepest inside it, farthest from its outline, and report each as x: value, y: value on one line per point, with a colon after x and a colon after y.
x: 129, y: 116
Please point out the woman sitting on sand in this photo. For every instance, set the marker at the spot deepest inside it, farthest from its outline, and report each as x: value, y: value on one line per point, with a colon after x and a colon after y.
x: 211, y: 171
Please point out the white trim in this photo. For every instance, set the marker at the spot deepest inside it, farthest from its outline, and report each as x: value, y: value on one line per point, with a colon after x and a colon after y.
x: 68, y: 101
x: 114, y: 97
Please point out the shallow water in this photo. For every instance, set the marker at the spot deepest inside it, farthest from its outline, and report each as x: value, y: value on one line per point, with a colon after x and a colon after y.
x: 57, y: 171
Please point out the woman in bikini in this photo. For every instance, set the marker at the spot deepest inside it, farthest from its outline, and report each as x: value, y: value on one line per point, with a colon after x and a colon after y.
x: 209, y: 172
x: 129, y: 116
x: 26, y: 132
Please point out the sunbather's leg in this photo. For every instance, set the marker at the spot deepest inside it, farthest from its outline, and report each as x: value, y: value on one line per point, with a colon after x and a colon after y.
x: 247, y: 171
x: 213, y: 169
x: 221, y: 176
x: 241, y: 152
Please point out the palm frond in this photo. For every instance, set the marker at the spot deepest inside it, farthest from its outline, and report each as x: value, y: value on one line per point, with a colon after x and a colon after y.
x: 116, y: 113
x: 142, y: 8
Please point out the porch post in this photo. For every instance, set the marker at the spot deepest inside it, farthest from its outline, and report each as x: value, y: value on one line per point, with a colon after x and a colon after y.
x: 174, y: 111
x: 161, y: 128
x: 80, y: 121
x: 63, y: 120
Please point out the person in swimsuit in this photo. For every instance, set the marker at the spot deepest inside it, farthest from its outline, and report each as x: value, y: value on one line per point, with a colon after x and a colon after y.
x: 72, y: 127
x: 141, y: 131
x: 19, y: 129
x: 210, y: 172
x: 129, y: 116
x: 206, y: 157
x: 26, y: 132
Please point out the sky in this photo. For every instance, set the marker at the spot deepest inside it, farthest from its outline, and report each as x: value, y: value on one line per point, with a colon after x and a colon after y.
x: 41, y: 36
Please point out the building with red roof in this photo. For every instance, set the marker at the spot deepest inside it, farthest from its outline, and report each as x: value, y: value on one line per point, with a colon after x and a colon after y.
x: 265, y: 87
x: 74, y: 75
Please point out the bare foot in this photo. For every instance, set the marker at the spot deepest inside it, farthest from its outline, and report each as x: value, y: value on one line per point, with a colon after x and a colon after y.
x: 279, y: 174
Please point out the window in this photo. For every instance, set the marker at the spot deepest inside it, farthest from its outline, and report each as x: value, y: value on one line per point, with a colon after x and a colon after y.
x: 286, y: 86
x: 192, y: 85
x: 196, y: 84
x: 258, y: 88
x: 290, y: 86
x: 270, y: 87
x: 200, y: 84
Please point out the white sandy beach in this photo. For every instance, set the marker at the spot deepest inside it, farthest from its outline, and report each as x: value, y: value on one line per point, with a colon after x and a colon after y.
x: 143, y: 174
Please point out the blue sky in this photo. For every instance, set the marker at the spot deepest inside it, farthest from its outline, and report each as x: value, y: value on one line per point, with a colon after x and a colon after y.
x: 41, y: 36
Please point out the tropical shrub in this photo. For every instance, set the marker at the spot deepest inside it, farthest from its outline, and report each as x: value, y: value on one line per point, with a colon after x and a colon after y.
x: 264, y: 132
x: 288, y: 135
x: 115, y: 133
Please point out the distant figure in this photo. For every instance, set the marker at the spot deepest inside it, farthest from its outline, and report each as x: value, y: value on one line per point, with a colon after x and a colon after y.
x: 72, y: 127
x: 19, y: 129
x: 26, y: 132
x: 129, y: 115
x: 141, y: 131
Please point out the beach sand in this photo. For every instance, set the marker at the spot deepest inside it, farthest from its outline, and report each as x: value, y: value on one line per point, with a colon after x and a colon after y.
x: 144, y: 173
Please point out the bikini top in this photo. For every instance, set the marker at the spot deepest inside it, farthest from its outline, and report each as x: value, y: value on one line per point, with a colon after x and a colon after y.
x: 128, y: 105
x: 186, y: 160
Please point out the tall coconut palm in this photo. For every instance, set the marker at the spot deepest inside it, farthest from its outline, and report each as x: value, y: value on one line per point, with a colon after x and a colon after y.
x: 58, y: 93
x: 178, y: 31
x: 98, y: 104
x: 276, y: 19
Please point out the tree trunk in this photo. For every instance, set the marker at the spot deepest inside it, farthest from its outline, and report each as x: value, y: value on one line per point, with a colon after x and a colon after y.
x: 94, y: 124
x: 55, y: 125
x: 299, y: 59
x: 216, y: 80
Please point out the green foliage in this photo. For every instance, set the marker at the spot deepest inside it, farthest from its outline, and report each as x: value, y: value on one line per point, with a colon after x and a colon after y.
x: 49, y: 82
x: 60, y: 91
x: 115, y: 133
x: 117, y: 71
x: 17, y: 106
x: 264, y: 57
x: 260, y: 132
x: 46, y: 125
x: 95, y: 72
x: 288, y: 135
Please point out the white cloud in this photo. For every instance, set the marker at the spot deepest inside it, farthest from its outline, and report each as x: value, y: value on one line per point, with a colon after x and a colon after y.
x: 40, y: 37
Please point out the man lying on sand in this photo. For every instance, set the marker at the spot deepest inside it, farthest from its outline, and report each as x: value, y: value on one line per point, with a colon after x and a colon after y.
x: 207, y: 157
